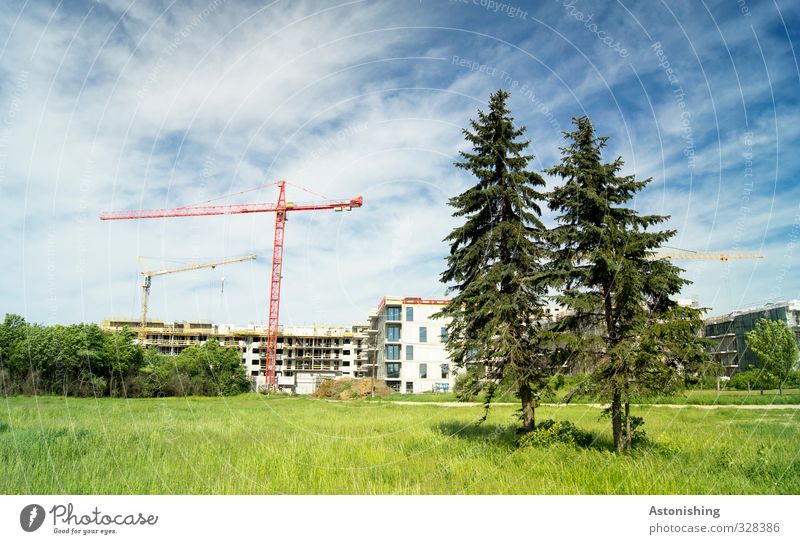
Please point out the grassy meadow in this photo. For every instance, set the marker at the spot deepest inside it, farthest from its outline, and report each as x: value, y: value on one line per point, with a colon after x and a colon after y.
x: 699, y: 397
x: 256, y: 445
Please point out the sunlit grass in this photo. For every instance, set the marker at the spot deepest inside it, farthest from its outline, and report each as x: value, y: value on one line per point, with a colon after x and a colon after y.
x: 251, y: 444
x: 696, y: 397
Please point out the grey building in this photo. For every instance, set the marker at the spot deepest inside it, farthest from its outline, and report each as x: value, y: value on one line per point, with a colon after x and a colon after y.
x: 729, y: 332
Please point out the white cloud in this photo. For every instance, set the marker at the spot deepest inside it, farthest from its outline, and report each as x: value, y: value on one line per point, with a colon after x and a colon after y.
x: 145, y: 104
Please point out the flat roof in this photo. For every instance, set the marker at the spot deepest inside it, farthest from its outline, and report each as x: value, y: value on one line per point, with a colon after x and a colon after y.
x: 790, y: 304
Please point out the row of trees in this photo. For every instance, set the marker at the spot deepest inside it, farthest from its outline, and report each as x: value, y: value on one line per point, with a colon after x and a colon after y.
x: 84, y: 360
x: 505, y: 265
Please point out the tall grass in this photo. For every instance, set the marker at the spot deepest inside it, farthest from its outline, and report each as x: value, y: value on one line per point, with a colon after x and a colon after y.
x: 256, y: 445
x: 693, y: 396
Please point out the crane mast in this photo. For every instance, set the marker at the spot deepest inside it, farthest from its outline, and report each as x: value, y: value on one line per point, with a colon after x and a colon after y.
x: 275, y: 290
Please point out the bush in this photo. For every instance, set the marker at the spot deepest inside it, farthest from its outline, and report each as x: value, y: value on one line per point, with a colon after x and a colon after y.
x: 793, y: 380
x: 755, y: 378
x: 638, y: 435
x: 557, y: 382
x: 550, y: 433
x: 350, y: 388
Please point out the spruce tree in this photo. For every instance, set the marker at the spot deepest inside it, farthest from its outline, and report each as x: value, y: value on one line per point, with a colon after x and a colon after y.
x: 495, y: 261
x: 619, y: 297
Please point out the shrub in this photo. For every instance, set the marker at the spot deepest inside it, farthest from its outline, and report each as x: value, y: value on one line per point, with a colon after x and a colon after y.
x: 557, y: 382
x: 793, y: 380
x: 638, y: 435
x: 755, y: 378
x: 550, y: 433
x: 350, y: 388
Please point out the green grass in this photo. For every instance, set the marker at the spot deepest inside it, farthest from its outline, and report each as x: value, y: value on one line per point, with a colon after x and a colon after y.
x: 693, y: 397
x: 256, y: 445
x: 710, y: 396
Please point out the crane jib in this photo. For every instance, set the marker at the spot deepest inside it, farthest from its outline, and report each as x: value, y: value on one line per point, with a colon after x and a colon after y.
x: 193, y: 211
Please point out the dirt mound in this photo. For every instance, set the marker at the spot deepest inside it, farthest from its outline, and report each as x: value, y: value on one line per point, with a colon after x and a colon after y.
x: 350, y: 388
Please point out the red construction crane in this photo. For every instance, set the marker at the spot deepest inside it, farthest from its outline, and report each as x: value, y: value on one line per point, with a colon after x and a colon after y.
x: 280, y: 209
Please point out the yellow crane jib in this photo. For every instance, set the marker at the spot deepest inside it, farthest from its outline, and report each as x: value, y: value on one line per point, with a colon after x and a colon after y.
x: 147, y: 276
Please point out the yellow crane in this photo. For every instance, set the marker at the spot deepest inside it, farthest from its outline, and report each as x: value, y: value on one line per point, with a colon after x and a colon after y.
x: 688, y: 255
x: 147, y: 276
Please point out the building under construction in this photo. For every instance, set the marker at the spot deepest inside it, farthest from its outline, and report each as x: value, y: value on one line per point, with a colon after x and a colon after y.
x: 729, y: 332
x: 403, y: 345
x: 305, y: 355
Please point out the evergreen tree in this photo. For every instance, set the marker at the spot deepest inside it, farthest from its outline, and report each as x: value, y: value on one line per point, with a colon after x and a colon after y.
x: 619, y: 297
x: 496, y: 259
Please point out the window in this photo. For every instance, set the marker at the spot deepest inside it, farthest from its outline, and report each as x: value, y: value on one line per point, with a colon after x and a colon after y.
x: 346, y: 340
x: 423, y: 334
x: 409, y: 353
x: 392, y: 370
x: 345, y: 352
x: 393, y: 353
x: 254, y: 372
x: 409, y: 387
x: 393, y: 333
x: 445, y: 371
x: 409, y: 313
x: 423, y: 370
x: 444, y: 334
x: 393, y: 313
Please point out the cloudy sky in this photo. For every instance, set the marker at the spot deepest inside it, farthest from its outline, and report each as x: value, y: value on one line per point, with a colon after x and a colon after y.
x: 130, y: 104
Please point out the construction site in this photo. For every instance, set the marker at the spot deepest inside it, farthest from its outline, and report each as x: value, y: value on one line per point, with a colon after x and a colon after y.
x: 400, y: 343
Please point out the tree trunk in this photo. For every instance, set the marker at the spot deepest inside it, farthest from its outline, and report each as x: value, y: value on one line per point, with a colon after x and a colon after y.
x: 628, y: 437
x: 528, y: 415
x: 616, y: 418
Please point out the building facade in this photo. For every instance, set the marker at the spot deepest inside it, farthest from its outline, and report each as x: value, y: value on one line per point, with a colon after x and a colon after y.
x: 407, y: 343
x: 729, y: 332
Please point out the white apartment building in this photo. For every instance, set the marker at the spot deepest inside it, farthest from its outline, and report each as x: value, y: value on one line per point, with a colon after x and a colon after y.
x: 409, y: 352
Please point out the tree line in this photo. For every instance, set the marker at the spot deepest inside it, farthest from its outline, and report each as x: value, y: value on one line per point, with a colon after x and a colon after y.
x: 505, y: 266
x: 84, y: 360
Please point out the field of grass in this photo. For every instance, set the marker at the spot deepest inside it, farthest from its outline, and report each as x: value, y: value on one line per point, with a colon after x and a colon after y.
x: 256, y: 445
x: 693, y: 397
x: 730, y: 397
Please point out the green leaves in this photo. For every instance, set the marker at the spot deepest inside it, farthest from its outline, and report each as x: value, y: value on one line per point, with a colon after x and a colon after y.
x: 84, y: 360
x: 774, y: 344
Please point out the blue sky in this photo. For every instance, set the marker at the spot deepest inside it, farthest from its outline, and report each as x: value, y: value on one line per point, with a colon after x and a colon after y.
x: 135, y: 104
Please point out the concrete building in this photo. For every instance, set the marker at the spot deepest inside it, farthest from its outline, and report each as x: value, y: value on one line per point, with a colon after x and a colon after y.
x: 407, y: 343
x: 728, y: 331
x: 306, y: 355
